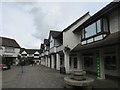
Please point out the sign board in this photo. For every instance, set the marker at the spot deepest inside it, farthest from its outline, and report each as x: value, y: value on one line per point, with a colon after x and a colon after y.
x: 98, y: 64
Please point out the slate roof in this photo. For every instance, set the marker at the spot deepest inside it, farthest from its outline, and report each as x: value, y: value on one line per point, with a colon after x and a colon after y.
x: 54, y: 34
x: 9, y: 42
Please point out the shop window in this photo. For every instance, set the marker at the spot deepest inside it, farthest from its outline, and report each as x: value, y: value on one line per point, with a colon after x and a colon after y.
x: 110, y: 62
x: 88, y: 61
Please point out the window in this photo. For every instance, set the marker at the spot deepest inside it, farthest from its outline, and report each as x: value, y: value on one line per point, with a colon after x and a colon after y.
x: 90, y: 30
x: 51, y: 43
x: 9, y: 49
x: 105, y: 25
x: 110, y: 62
x: 98, y: 26
x: 94, y: 32
x: 88, y: 61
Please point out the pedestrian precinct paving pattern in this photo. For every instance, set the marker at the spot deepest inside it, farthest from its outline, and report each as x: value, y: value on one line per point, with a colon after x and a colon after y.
x: 32, y: 77
x: 42, y: 77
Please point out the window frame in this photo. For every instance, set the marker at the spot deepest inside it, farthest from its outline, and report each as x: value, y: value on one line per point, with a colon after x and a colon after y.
x: 102, y: 32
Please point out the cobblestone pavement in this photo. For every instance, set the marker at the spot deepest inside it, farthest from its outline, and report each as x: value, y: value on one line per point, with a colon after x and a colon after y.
x: 33, y: 77
x: 43, y: 77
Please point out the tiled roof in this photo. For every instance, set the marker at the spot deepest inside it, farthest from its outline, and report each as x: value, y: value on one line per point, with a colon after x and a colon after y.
x: 8, y: 42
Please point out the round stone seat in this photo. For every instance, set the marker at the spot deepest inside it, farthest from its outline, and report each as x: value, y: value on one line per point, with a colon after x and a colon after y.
x: 70, y: 81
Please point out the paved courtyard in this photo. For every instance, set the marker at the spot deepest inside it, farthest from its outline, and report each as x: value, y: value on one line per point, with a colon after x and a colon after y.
x: 33, y: 77
x: 43, y: 77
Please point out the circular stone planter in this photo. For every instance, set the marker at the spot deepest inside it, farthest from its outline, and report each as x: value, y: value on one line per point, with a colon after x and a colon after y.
x: 70, y: 81
x: 78, y: 73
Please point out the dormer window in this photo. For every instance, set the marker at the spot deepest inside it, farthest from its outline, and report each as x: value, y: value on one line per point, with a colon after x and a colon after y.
x: 95, y: 31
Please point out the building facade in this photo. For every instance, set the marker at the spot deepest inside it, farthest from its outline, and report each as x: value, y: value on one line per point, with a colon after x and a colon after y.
x: 31, y: 55
x: 91, y: 43
x: 9, y: 50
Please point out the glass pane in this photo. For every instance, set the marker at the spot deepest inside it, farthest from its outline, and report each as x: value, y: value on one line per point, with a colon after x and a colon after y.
x: 88, y: 61
x: 83, y: 34
x: 105, y: 25
x: 98, y: 26
x: 110, y: 62
x: 90, y: 30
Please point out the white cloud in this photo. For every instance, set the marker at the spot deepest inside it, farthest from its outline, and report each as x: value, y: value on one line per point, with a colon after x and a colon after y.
x: 29, y: 22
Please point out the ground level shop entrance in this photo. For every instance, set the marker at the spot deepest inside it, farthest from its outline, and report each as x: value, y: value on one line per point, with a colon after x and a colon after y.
x: 103, y: 62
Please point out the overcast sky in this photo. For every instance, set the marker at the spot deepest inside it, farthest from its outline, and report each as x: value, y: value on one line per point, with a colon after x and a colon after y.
x: 29, y: 23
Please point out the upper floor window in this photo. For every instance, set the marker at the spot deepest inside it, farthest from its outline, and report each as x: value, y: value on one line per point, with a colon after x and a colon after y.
x: 51, y: 43
x: 94, y: 32
x: 9, y: 49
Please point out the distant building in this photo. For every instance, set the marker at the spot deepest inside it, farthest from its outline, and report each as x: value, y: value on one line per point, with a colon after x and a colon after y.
x: 9, y: 50
x: 31, y: 54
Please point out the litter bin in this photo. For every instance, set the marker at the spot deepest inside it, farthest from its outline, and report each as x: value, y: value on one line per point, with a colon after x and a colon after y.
x: 62, y: 70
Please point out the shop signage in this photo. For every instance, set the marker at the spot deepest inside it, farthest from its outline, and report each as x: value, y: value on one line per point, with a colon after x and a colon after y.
x: 98, y: 63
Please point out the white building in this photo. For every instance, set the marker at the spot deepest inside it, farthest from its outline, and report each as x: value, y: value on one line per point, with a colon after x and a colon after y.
x: 31, y: 54
x: 9, y: 50
x: 91, y: 43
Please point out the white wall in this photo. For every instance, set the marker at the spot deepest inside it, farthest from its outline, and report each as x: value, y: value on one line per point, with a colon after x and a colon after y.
x: 71, y: 39
x: 51, y: 43
x: 17, y: 50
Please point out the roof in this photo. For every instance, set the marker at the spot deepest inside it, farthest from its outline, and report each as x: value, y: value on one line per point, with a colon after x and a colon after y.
x: 9, y: 42
x: 29, y: 51
x: 86, y: 14
x: 111, y: 39
x: 46, y: 41
x: 54, y: 34
x: 104, y: 11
